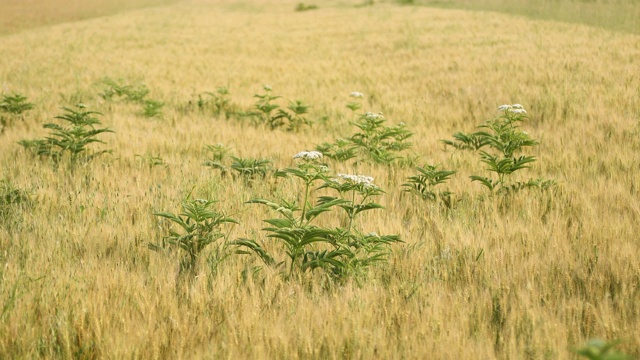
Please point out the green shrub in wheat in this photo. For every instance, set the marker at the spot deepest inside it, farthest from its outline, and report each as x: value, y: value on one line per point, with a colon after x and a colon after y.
x: 374, y: 141
x: 425, y: 181
x: 13, y: 201
x: 73, y: 138
x: 199, y: 225
x: 12, y: 107
x: 499, y: 142
x: 597, y: 349
x: 338, y: 251
x: 120, y: 90
x: 268, y: 112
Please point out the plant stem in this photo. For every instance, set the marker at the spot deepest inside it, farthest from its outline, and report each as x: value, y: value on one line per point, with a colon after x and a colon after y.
x: 304, y: 203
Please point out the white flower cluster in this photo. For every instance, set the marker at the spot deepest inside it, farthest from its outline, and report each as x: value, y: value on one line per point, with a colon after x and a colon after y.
x: 367, y: 181
x: 356, y: 94
x: 267, y: 87
x: 372, y: 116
x: 308, y: 155
x: 514, y: 109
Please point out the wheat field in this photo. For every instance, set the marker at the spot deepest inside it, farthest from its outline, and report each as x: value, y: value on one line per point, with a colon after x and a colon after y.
x: 531, y: 276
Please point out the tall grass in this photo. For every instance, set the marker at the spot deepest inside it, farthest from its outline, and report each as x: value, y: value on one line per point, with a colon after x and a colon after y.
x: 530, y: 276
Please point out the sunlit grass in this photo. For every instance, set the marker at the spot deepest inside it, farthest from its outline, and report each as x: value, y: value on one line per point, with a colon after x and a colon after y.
x: 532, y: 275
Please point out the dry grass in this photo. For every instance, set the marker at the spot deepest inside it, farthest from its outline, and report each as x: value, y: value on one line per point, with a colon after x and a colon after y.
x: 618, y: 15
x: 17, y: 15
x: 530, y: 277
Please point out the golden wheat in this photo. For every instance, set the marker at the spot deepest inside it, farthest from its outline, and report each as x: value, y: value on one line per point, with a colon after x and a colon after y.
x: 531, y: 277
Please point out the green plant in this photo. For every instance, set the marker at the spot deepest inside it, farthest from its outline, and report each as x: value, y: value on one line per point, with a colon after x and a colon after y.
x: 152, y: 108
x: 215, y: 156
x: 217, y: 102
x: 264, y: 105
x: 354, y: 197
x: 339, y: 251
x: 12, y: 199
x: 15, y: 104
x: 250, y: 168
x: 375, y: 141
x: 424, y: 183
x: 151, y: 160
x: 355, y: 105
x: 200, y: 225
x: 305, y: 7
x: 73, y: 139
x: 118, y: 89
x: 292, y: 118
x: 504, y: 138
x: 596, y: 349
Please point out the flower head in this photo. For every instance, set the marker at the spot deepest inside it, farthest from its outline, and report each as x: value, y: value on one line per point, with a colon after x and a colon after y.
x: 372, y: 116
x: 513, y: 109
x: 308, y: 155
x: 267, y: 87
x: 367, y: 181
x: 356, y: 94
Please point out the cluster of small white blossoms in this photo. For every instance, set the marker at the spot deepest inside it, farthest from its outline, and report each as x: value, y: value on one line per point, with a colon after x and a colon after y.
x: 267, y: 87
x: 372, y: 116
x: 514, y: 109
x: 367, y: 181
x: 308, y: 155
x: 356, y: 94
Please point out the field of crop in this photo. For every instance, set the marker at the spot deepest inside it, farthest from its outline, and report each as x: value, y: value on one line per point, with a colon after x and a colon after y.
x: 93, y: 264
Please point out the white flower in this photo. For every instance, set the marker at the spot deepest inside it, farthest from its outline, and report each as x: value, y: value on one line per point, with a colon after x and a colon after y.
x: 308, y: 155
x: 518, y: 111
x: 356, y: 94
x: 267, y: 87
x: 517, y: 106
x: 504, y: 107
x: 367, y: 181
x: 372, y: 116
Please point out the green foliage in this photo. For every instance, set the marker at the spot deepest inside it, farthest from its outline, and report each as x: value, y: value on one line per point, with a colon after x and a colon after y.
x: 264, y: 105
x: 15, y: 104
x: 152, y: 108
x: 340, y: 251
x: 355, y: 105
x: 216, y: 154
x: 374, y: 142
x: 504, y: 139
x: 292, y: 120
x: 596, y: 349
x: 73, y: 139
x: 119, y: 90
x: 305, y: 7
x: 217, y: 102
x: 199, y: 225
x: 151, y: 160
x: 268, y: 112
x: 424, y: 183
x: 250, y: 168
x: 12, y: 199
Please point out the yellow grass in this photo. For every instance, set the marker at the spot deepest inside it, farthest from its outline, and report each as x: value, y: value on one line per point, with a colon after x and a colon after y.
x: 530, y: 277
